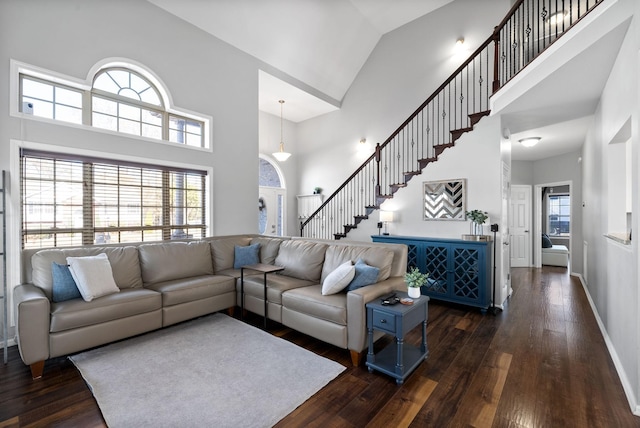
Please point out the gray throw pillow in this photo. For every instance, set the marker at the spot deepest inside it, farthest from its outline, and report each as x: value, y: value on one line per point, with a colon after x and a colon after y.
x: 365, y: 275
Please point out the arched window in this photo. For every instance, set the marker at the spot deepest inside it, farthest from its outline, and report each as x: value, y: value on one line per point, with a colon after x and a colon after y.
x: 124, y: 101
x: 121, y: 99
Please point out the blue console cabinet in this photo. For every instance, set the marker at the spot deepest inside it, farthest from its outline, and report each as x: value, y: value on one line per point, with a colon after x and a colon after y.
x: 459, y: 270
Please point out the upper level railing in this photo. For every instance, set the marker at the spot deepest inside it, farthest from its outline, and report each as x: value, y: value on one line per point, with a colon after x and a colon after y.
x: 454, y: 108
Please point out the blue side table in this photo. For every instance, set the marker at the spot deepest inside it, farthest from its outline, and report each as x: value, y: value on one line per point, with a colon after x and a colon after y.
x: 398, y: 359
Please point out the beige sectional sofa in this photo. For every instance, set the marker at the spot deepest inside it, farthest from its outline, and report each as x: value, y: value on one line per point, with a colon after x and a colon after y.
x: 165, y: 283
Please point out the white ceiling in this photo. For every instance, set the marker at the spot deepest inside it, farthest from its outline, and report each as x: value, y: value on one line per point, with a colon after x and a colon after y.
x: 316, y: 45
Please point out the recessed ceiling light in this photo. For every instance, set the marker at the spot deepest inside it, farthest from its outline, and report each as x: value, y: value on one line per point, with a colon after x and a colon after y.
x: 529, y: 142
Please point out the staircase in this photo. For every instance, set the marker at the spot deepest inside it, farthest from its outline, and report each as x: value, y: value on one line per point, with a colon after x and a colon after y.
x: 453, y: 109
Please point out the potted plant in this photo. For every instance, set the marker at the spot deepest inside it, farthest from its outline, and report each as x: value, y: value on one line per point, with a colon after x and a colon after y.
x: 415, y: 279
x: 477, y: 220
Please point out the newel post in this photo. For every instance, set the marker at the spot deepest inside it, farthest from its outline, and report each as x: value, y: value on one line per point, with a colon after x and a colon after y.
x: 378, y: 151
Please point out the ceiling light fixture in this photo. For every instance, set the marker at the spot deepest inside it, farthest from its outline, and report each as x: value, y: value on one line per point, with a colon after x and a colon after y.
x: 460, y: 41
x: 281, y: 155
x: 529, y: 142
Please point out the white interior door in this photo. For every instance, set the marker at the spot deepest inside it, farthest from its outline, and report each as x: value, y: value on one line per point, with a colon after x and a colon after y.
x: 271, y: 211
x: 520, y: 226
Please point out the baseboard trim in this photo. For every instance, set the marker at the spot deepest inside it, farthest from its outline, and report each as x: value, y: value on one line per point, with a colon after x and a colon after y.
x: 626, y: 385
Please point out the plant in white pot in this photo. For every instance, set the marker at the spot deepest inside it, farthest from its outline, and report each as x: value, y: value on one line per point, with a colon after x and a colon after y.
x: 415, y: 279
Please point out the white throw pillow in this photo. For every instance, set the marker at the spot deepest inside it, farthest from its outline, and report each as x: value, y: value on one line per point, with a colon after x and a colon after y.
x: 93, y: 276
x: 338, y: 280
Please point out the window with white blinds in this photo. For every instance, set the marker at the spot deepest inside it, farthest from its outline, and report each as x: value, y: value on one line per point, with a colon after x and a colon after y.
x: 70, y: 200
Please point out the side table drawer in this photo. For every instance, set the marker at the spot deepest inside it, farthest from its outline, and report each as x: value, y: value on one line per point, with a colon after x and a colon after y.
x: 384, y: 321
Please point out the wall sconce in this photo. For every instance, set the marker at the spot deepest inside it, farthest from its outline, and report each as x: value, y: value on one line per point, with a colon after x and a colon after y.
x: 386, y: 217
x: 558, y: 17
x: 529, y: 142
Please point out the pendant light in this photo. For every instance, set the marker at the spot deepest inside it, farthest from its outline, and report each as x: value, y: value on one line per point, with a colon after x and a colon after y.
x: 281, y: 155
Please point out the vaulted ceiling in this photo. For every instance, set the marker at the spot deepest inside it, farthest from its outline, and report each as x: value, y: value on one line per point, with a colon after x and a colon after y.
x: 319, y: 45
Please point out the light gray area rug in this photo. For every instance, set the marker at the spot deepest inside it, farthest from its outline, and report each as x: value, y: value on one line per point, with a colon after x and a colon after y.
x: 212, y: 371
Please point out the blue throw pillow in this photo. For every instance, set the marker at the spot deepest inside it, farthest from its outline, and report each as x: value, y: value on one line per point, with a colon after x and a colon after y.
x: 249, y: 255
x: 365, y: 275
x: 64, y: 287
x: 546, y: 242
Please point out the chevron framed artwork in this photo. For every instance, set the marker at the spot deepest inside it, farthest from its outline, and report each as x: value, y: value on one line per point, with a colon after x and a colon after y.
x: 445, y: 200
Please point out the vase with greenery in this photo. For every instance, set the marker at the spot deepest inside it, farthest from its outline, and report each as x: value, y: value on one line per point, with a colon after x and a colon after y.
x: 415, y: 279
x: 477, y: 220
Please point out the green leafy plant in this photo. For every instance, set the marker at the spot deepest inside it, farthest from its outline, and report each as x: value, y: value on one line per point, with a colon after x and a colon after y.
x: 415, y: 278
x: 477, y: 216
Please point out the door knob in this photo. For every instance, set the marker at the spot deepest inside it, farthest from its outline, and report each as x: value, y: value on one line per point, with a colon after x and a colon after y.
x: 526, y: 231
x: 505, y: 243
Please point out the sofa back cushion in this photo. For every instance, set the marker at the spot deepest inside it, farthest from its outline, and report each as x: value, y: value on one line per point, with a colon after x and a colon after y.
x: 175, y: 260
x: 124, y: 261
x: 301, y: 259
x: 373, y: 256
x: 223, y: 251
x: 269, y: 248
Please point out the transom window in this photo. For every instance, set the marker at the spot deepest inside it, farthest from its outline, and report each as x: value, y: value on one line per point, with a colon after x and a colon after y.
x: 120, y: 100
x: 69, y: 200
x: 53, y: 101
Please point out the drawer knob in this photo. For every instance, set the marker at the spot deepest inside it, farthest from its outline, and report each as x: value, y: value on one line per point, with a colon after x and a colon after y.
x: 383, y: 321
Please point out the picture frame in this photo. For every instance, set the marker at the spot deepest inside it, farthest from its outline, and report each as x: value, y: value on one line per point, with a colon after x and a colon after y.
x: 445, y: 199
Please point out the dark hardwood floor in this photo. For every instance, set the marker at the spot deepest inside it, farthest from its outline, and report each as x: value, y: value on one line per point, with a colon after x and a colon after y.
x: 542, y: 362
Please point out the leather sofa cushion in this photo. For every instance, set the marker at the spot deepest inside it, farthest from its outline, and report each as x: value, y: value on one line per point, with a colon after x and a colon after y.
x: 373, y: 256
x: 164, y: 262
x: 277, y: 284
x: 301, y: 259
x: 124, y: 263
x: 268, y: 248
x: 186, y: 290
x: 223, y: 251
x: 310, y: 301
x: 77, y: 313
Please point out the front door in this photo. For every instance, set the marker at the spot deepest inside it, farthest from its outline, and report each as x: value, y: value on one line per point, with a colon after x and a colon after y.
x: 520, y: 226
x: 271, y: 211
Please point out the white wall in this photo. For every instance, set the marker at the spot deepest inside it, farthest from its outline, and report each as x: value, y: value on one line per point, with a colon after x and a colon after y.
x: 202, y: 74
x: 612, y: 268
x: 406, y: 66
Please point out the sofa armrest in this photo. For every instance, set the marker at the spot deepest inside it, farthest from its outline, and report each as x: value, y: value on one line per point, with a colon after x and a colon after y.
x: 32, y: 323
x: 357, y: 311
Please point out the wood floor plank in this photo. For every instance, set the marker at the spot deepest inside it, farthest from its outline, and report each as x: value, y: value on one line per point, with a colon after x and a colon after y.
x: 484, y: 393
x: 443, y: 404
x: 401, y: 410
